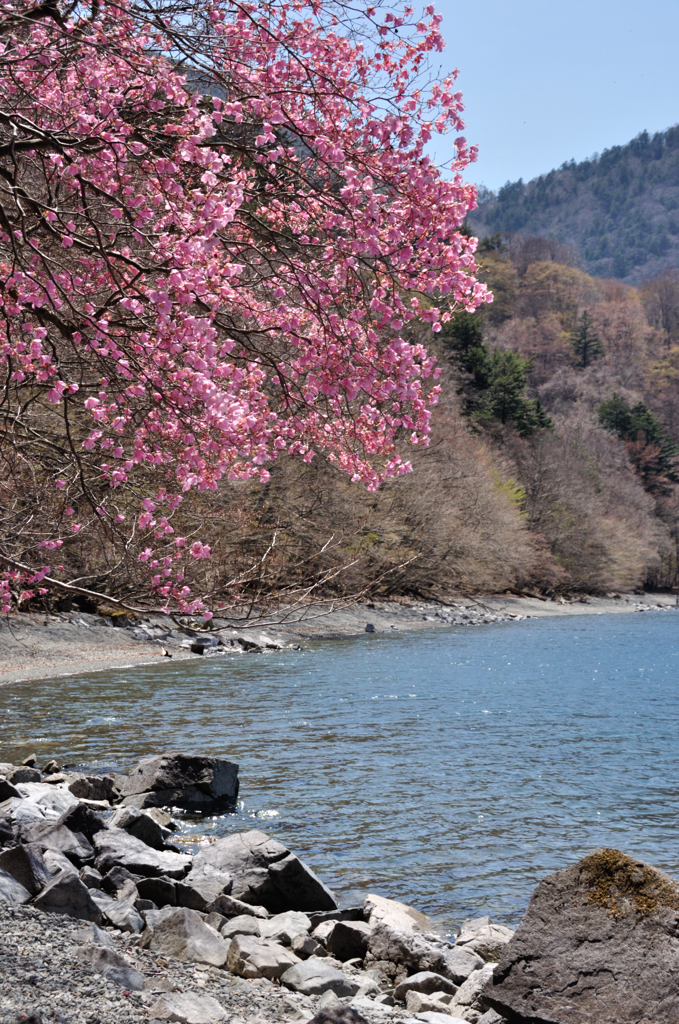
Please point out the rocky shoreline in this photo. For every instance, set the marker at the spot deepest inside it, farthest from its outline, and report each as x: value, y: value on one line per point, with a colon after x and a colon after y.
x: 45, y: 645
x: 105, y: 919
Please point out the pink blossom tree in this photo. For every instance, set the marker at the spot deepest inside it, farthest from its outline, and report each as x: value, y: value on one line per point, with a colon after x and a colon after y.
x: 218, y: 223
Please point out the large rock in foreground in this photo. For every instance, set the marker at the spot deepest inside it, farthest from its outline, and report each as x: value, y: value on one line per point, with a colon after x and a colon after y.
x: 598, y: 943
x: 258, y: 870
x: 206, y: 784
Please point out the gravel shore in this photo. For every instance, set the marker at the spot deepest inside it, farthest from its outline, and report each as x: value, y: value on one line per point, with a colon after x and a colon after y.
x: 45, y: 646
x: 44, y: 978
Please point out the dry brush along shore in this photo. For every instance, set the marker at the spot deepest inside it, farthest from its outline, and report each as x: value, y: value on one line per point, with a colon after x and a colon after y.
x: 104, y: 920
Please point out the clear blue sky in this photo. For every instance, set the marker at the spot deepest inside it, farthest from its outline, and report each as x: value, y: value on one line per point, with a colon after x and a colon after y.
x: 547, y: 80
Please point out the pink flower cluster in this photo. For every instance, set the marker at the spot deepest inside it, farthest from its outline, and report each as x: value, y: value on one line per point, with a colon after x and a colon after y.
x: 237, y: 271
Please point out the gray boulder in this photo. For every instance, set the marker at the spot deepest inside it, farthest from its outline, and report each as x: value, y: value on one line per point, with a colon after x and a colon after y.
x: 336, y: 1012
x: 467, y: 996
x: 485, y: 937
x: 66, y: 894
x: 180, y: 780
x: 17, y: 813
x: 7, y: 790
x: 187, y: 1008
x: 418, y: 1002
x: 117, y: 879
x: 115, y: 846
x: 348, y: 939
x: 260, y: 871
x: 378, y: 909
x: 598, y: 943
x: 27, y: 865
x: 228, y: 906
x: 12, y: 891
x: 83, y: 821
x: 50, y: 835
x: 123, y: 916
x: 90, y: 877
x: 57, y: 861
x: 418, y: 952
x: 22, y: 774
x: 242, y: 925
x: 92, y: 933
x: 182, y: 933
x: 96, y: 787
x: 313, y: 977
x: 54, y: 799
x: 108, y: 962
x: 161, y: 891
x: 425, y: 982
x: 284, y: 927
x: 192, y: 896
x: 140, y: 825
x: 252, y: 957
x: 433, y: 1017
x: 305, y: 946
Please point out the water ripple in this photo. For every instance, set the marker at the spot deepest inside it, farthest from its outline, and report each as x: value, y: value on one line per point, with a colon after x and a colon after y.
x: 451, y: 769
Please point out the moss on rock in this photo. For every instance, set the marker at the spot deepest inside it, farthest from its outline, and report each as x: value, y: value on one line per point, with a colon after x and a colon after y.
x: 620, y: 884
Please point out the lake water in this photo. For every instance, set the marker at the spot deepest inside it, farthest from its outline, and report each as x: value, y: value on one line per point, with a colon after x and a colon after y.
x: 450, y: 769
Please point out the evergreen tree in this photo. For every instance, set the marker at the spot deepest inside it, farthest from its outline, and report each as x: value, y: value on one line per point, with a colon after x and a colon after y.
x: 652, y: 450
x: 504, y: 397
x: 495, y: 384
x: 586, y: 343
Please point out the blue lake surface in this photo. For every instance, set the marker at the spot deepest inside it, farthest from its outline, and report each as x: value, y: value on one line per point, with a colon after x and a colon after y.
x: 451, y: 769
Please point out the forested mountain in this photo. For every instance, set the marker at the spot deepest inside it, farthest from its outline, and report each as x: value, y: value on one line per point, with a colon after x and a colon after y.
x: 553, y: 463
x: 619, y: 211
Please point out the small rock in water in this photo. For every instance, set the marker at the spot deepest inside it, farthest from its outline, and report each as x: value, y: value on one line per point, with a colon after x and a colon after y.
x: 206, y: 784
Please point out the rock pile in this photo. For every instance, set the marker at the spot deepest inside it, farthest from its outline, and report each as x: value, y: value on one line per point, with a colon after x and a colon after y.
x: 598, y: 942
x: 245, y: 905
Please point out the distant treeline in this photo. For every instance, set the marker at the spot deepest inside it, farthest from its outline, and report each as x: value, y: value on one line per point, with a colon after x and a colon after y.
x: 553, y: 462
x: 619, y: 210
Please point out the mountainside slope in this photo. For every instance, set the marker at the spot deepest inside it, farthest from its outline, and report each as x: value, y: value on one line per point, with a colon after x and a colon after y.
x: 619, y: 210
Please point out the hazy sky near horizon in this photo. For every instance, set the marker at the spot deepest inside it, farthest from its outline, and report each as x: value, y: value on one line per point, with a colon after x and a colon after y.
x: 545, y: 81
